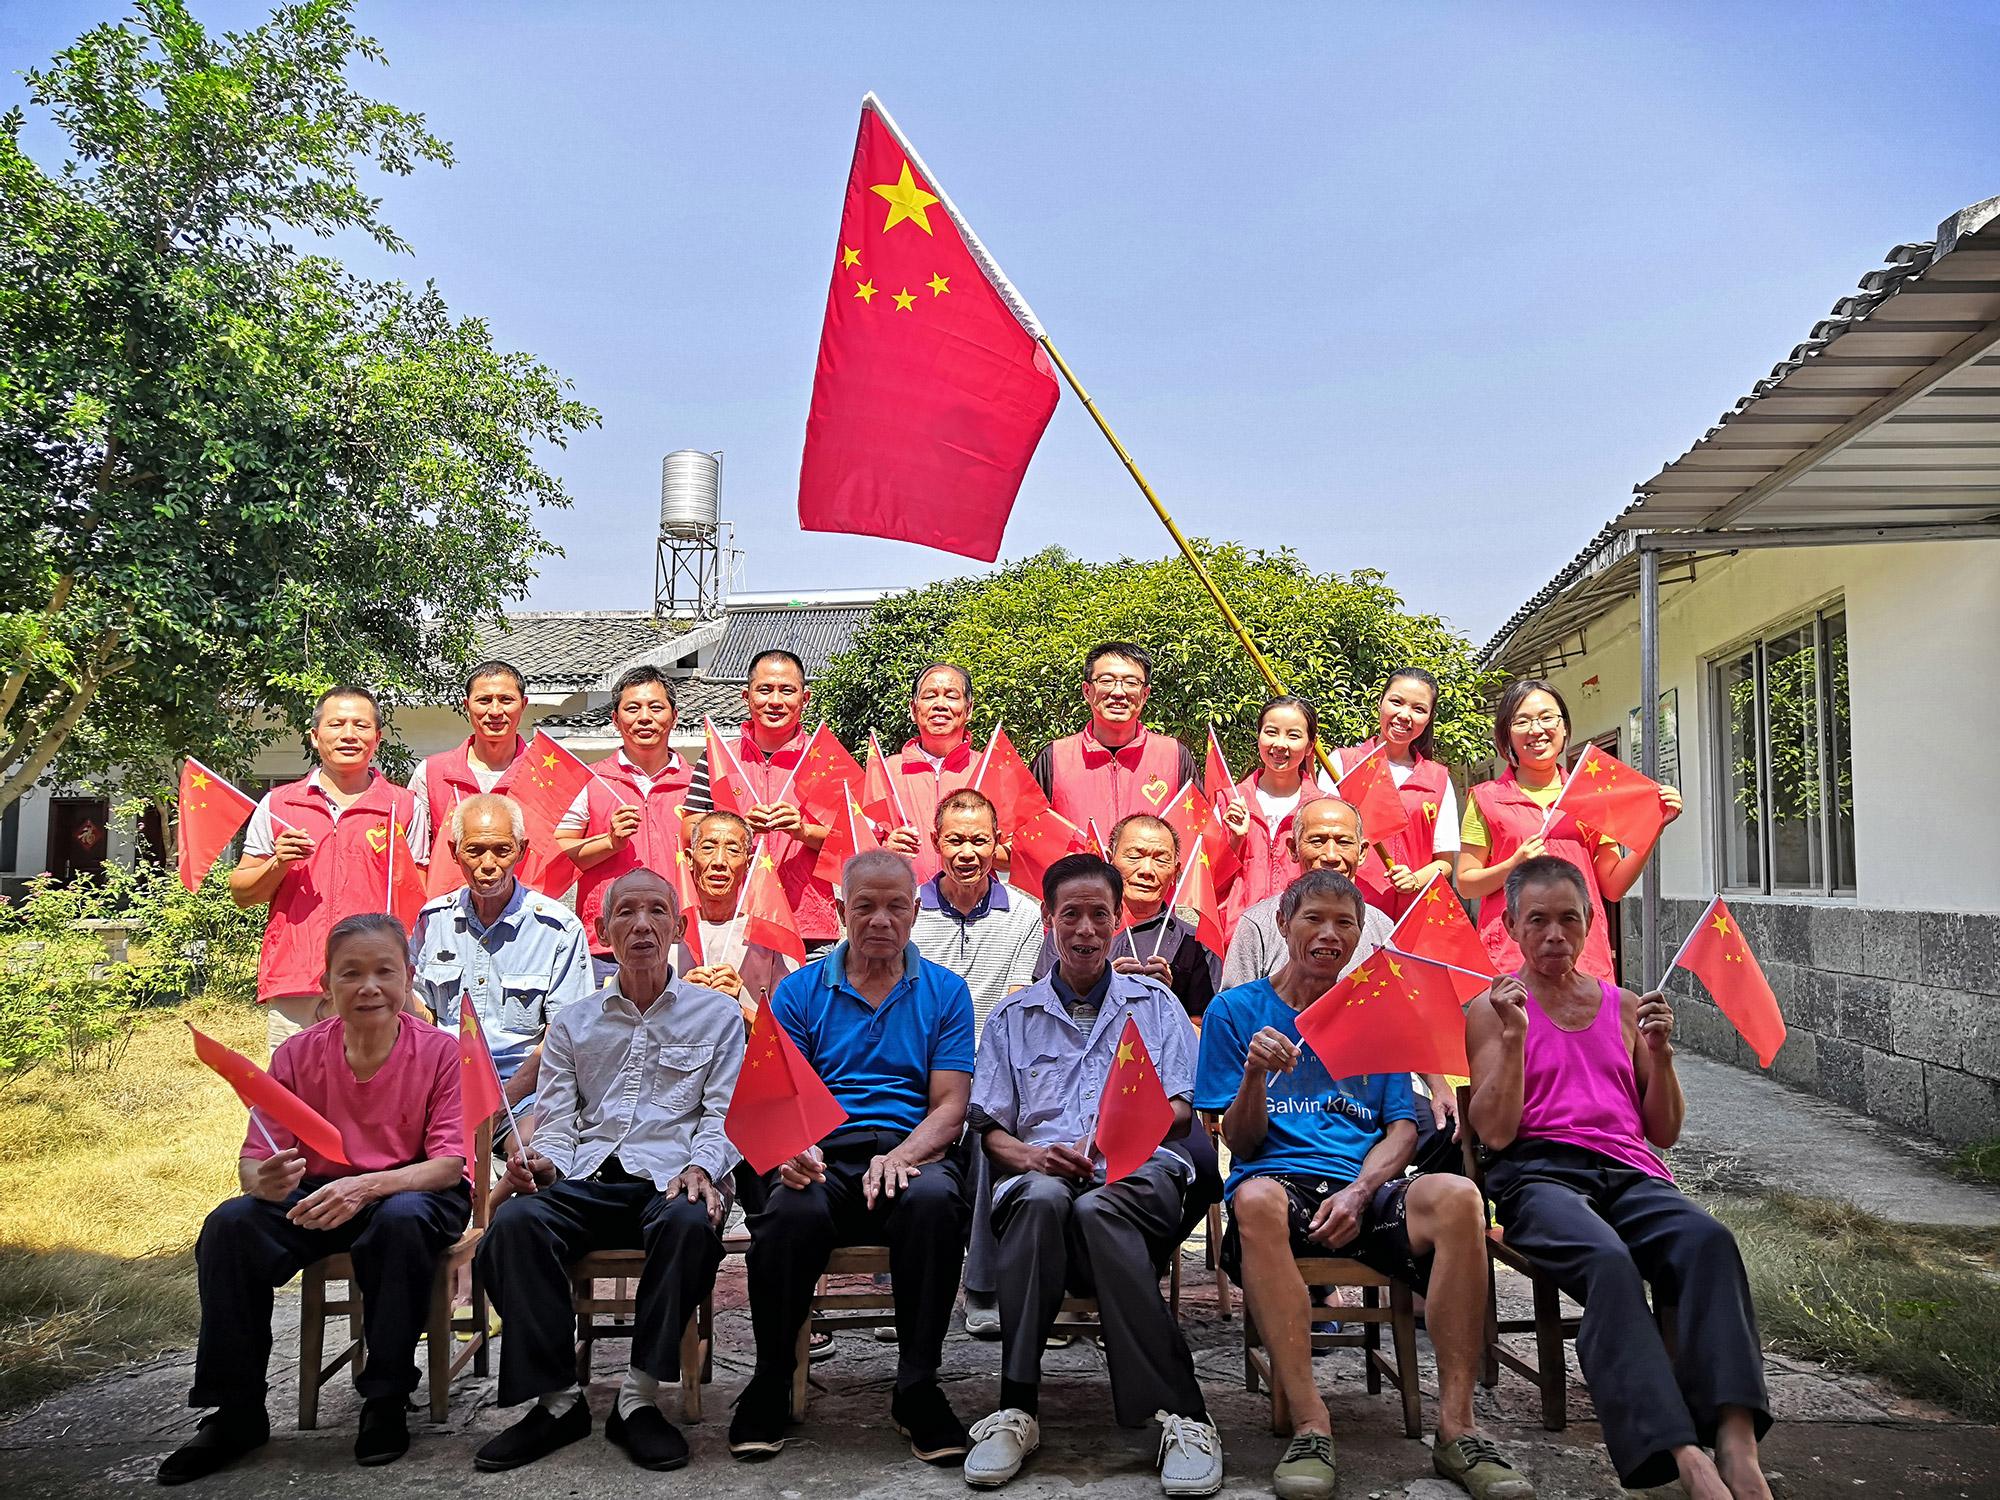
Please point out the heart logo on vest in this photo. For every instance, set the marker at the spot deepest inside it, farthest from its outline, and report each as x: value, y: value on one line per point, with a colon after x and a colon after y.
x: 378, y: 839
x: 1155, y: 791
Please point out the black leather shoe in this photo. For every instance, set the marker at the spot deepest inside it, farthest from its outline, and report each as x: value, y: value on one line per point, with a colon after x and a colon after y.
x: 652, y: 1441
x: 536, y: 1435
x: 385, y: 1431
x: 923, y: 1415
x: 758, y: 1428
x: 220, y: 1438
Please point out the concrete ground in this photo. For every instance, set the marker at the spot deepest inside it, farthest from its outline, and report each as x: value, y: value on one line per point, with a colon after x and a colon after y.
x: 1837, y: 1435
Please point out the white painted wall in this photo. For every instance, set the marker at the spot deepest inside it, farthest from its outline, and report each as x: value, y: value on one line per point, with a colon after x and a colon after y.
x: 1923, y: 623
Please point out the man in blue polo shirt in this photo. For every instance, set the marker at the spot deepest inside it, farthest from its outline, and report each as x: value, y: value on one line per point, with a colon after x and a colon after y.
x: 1317, y: 1167
x: 890, y: 1034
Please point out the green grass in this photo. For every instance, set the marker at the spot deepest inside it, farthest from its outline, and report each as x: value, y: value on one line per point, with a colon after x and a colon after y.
x: 1979, y: 1163
x: 1917, y: 1305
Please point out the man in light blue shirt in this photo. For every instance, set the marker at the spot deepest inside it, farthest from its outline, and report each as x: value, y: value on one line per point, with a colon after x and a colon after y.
x: 1043, y: 1061
x: 516, y: 954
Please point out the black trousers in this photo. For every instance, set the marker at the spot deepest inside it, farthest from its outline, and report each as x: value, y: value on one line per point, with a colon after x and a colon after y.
x: 1604, y: 1231
x: 1108, y: 1241
x: 533, y: 1240
x: 798, y: 1230
x: 248, y: 1248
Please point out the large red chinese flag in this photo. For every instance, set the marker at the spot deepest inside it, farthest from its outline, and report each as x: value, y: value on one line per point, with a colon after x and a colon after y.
x: 1396, y: 1013
x: 1370, y: 789
x: 930, y: 392
x: 768, y: 915
x: 479, y: 1092
x: 211, y: 812
x: 824, y: 777
x: 780, y: 1107
x: 1134, y: 1114
x: 547, y: 781
x: 1005, y: 781
x: 259, y: 1090
x: 1038, y: 843
x: 1436, y: 927
x: 1606, y: 794
x: 1716, y: 954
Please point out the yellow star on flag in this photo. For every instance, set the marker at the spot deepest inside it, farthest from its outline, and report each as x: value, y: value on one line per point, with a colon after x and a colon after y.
x: 865, y: 291
x: 1124, y: 1052
x: 767, y: 862
x: 1362, y: 976
x: 939, y: 285
x: 1395, y: 968
x: 199, y: 780
x: 1430, y: 895
x: 904, y: 299
x: 849, y: 256
x: 1721, y: 924
x: 549, y: 761
x: 906, y: 201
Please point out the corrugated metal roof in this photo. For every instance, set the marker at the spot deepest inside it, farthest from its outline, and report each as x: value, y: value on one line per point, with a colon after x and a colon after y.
x: 567, y: 651
x: 813, y: 633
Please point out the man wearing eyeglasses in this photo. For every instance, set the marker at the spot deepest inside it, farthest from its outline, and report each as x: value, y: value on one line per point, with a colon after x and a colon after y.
x: 1116, y: 766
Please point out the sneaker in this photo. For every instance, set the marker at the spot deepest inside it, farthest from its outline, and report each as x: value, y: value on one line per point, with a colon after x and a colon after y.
x: 1001, y: 1443
x: 1306, y: 1470
x: 923, y: 1415
x: 648, y: 1437
x: 1190, y: 1455
x: 758, y: 1428
x: 1475, y: 1465
x: 385, y: 1431
x: 220, y: 1438
x: 982, y: 1317
x: 536, y: 1435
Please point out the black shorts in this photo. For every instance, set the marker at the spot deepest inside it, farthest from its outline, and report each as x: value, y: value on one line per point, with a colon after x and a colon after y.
x: 1382, y: 1245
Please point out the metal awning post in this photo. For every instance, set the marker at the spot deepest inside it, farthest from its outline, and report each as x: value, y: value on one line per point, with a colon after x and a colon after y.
x: 1649, y: 756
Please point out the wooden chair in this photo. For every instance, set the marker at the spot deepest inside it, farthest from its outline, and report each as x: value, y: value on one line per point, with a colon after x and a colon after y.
x: 1399, y: 1314
x: 447, y: 1354
x: 601, y: 1316
x: 833, y: 1312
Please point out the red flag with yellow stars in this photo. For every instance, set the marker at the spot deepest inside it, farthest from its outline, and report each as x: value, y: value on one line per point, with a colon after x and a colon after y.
x: 547, y: 780
x: 1040, y: 842
x: 931, y: 391
x: 780, y: 1107
x: 1716, y: 954
x: 1197, y: 897
x: 1004, y: 779
x: 1396, y: 1013
x: 1370, y: 789
x: 1134, y: 1114
x: 685, y: 886
x: 823, y: 778
x: 1605, y: 794
x: 281, y: 1107
x: 1194, y: 820
x: 768, y: 916
x: 1436, y: 927
x: 211, y: 812
x: 728, y: 787
x: 479, y: 1093
x: 848, y: 834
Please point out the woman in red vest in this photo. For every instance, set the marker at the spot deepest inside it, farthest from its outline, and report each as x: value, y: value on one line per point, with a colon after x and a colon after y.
x: 1507, y: 823
x: 495, y: 699
x: 1259, y: 816
x: 1425, y: 849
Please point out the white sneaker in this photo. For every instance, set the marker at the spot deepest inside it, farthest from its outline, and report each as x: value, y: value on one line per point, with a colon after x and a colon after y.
x: 1190, y: 1455
x: 982, y: 1319
x: 1001, y: 1443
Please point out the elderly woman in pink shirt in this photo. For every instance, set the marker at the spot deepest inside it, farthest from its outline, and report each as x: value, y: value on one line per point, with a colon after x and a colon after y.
x: 389, y: 1082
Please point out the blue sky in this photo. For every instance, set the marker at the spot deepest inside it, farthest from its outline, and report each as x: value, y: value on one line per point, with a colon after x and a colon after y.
x: 1418, y: 288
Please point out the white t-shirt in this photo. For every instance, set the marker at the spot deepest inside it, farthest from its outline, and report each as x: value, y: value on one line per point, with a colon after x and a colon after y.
x: 578, y: 816
x: 1275, y: 809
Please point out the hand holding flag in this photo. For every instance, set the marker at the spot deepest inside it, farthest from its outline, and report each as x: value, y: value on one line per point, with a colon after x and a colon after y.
x: 1716, y: 953
x: 211, y: 812
x: 260, y: 1091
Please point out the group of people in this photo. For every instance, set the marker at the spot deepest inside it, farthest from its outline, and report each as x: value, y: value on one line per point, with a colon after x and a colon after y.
x: 967, y: 1029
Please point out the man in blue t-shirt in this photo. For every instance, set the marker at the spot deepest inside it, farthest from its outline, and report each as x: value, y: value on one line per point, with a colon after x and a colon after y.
x: 890, y: 1034
x: 1317, y: 1168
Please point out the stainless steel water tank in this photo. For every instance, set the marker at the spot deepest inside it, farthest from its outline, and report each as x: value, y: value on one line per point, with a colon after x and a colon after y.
x: 689, y: 482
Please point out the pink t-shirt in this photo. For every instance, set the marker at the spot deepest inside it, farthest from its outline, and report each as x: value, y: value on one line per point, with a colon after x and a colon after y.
x: 407, y: 1113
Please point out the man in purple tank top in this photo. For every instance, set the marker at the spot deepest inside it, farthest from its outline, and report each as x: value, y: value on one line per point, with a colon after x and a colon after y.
x: 1573, y: 1088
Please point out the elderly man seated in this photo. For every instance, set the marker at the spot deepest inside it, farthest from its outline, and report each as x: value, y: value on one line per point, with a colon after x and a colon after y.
x: 715, y: 950
x: 1317, y: 1169
x: 629, y: 1156
x: 890, y: 1033
x: 1573, y: 1085
x: 1043, y: 1061
x: 516, y: 956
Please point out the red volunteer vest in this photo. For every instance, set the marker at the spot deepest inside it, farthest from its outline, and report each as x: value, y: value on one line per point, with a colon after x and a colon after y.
x: 1415, y: 847
x: 347, y: 872
x: 811, y: 898
x: 1513, y: 818
x: 448, y: 781
x: 923, y: 784
x: 1267, y: 865
x: 1088, y: 782
x: 656, y: 846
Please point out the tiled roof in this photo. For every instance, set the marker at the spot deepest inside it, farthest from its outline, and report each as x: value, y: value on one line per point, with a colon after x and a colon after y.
x: 694, y: 700
x: 813, y: 633
x: 570, y: 650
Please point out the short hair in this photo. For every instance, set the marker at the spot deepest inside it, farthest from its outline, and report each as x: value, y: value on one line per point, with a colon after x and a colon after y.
x: 1132, y: 651
x: 1118, y: 829
x: 876, y: 862
x: 347, y: 690
x: 633, y: 877
x: 365, y: 924
x: 721, y: 815
x: 517, y: 821
x: 1545, y: 869
x: 964, y: 677
x: 1321, y: 883
x: 1293, y: 700
x: 966, y: 799
x: 1327, y: 804
x: 775, y: 653
x: 1424, y: 744
x: 639, y: 676
x: 1510, y: 704
x: 1074, y: 867
x: 494, y: 667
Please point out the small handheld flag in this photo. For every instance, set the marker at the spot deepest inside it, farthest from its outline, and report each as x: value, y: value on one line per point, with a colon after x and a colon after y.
x: 260, y: 1091
x: 768, y: 915
x: 479, y: 1092
x: 1605, y: 794
x: 1370, y: 788
x: 211, y: 813
x: 1134, y: 1113
x: 728, y: 787
x: 1436, y: 927
x: 1395, y: 1013
x: 1005, y: 781
x: 780, y: 1107
x: 547, y: 780
x: 1716, y: 953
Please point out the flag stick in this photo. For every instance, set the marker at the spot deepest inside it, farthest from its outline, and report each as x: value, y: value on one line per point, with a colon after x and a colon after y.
x: 749, y: 874
x: 258, y: 1121
x: 1693, y: 932
x: 895, y: 792
x: 1167, y: 911
x: 1421, y: 959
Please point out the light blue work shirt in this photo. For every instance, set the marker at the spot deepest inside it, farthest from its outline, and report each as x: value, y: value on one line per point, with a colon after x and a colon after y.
x: 1040, y: 1074
x: 519, y: 972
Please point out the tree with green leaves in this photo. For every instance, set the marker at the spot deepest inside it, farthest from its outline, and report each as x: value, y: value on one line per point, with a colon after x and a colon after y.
x: 1022, y: 632
x: 232, y: 472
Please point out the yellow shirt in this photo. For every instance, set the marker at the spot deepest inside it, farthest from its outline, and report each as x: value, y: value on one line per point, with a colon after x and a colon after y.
x: 1472, y: 827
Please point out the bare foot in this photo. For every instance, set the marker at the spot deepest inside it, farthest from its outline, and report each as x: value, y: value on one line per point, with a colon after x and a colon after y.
x: 1699, y: 1476
x: 1743, y: 1474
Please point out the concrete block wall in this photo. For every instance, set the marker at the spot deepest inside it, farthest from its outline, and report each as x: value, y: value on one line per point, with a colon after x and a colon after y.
x: 1894, y: 1013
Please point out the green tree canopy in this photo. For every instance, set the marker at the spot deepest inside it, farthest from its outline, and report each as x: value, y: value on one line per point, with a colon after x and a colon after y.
x: 231, y: 472
x: 1022, y: 633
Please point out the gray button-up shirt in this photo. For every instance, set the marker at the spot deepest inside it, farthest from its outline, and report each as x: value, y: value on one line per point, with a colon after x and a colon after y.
x: 1040, y: 1075
x: 650, y: 1087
